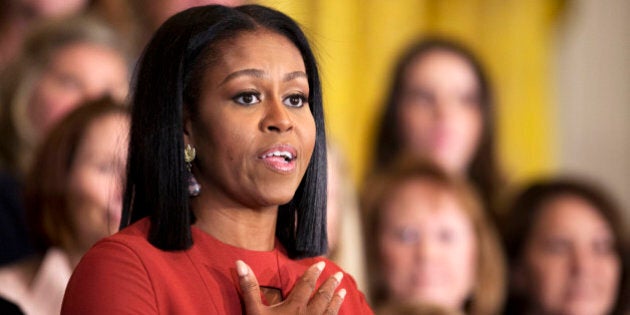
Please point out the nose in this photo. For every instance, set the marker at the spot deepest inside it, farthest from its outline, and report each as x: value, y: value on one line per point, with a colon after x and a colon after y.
x: 424, y: 249
x: 581, y: 262
x: 276, y: 118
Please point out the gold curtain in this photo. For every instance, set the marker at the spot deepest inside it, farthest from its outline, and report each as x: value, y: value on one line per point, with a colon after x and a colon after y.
x: 357, y: 42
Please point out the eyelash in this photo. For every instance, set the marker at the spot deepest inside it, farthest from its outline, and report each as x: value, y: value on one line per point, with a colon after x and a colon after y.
x: 239, y: 96
x: 239, y: 99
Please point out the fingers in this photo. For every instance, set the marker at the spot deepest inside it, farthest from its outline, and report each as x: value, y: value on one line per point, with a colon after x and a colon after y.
x: 250, y: 290
x: 325, y: 294
x: 306, y: 284
x: 335, y: 303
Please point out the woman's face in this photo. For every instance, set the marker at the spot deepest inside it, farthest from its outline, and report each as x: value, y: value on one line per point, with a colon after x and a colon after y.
x: 76, y: 73
x: 253, y: 130
x: 95, y: 180
x: 570, y: 264
x: 427, y: 245
x: 439, y: 114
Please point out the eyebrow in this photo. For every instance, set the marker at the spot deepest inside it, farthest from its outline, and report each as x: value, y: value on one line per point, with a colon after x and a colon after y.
x: 257, y: 73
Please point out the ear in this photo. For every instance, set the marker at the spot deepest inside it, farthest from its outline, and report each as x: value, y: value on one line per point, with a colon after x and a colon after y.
x: 188, y: 130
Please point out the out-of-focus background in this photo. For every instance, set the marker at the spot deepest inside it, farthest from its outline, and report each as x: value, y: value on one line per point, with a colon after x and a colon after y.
x: 560, y: 72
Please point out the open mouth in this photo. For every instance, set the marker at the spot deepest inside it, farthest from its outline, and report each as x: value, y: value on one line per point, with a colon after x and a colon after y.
x: 281, y: 158
x: 280, y: 155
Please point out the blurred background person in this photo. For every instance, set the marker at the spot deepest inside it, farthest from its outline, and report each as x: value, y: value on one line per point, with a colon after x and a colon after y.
x: 63, y: 63
x: 428, y: 240
x: 440, y: 107
x: 415, y: 309
x: 73, y: 199
x: 568, y: 251
x: 18, y: 16
x: 150, y: 14
x: 343, y: 221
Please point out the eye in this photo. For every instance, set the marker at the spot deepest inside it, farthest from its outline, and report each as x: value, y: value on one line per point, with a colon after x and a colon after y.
x: 247, y: 98
x: 407, y: 235
x: 295, y: 100
x: 446, y: 236
x: 556, y: 246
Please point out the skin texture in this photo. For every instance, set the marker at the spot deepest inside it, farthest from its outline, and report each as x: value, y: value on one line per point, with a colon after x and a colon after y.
x: 439, y: 111
x: 427, y: 246
x: 95, y: 181
x: 570, y: 265
x: 76, y: 73
x: 253, y: 99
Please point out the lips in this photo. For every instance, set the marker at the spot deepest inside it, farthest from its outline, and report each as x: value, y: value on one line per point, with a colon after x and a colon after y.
x: 279, y: 158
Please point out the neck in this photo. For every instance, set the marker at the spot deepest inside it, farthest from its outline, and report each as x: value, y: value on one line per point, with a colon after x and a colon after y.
x: 252, y: 229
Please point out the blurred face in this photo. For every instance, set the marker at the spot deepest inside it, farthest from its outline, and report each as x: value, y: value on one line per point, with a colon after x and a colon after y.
x: 570, y: 264
x: 440, y: 116
x: 76, y: 73
x: 53, y: 8
x: 427, y: 246
x: 254, y: 131
x: 95, y: 184
x: 159, y: 11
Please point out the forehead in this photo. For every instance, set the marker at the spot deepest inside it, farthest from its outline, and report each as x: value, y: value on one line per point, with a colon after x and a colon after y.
x: 569, y: 212
x: 420, y: 199
x: 258, y: 49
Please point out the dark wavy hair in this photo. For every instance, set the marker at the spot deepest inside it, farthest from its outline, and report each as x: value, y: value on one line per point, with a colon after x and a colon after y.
x: 483, y: 170
x: 167, y: 86
x: 525, y: 210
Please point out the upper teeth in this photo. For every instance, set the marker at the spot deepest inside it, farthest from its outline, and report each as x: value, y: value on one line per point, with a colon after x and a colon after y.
x: 285, y: 154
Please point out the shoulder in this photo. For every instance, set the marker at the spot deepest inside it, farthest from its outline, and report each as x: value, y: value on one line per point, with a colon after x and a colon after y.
x: 112, y: 274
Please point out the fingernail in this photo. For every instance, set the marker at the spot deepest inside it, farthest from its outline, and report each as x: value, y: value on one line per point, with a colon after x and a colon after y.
x: 338, y: 276
x: 241, y: 268
x: 320, y: 265
x: 342, y: 293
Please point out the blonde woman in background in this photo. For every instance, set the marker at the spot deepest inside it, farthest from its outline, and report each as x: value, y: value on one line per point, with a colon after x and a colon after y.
x: 63, y: 63
x: 429, y: 241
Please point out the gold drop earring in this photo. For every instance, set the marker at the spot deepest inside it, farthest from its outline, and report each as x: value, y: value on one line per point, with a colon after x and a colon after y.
x: 190, y: 153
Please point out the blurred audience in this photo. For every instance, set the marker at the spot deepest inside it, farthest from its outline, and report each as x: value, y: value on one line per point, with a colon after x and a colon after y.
x: 568, y: 251
x: 63, y: 63
x: 415, y: 309
x: 72, y: 198
x: 18, y: 16
x: 429, y: 241
x: 345, y: 239
x: 440, y: 107
x: 150, y: 14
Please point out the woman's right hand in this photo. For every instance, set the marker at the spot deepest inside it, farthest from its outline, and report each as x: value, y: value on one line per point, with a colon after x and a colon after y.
x: 299, y: 301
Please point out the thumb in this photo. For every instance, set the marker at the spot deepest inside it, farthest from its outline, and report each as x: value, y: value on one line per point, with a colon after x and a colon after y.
x: 250, y: 291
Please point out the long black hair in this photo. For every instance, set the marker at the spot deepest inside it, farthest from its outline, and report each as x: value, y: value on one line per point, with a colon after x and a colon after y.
x: 483, y: 170
x: 167, y: 87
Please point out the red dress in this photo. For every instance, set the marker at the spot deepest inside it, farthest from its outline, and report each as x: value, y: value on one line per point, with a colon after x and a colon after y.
x: 125, y: 274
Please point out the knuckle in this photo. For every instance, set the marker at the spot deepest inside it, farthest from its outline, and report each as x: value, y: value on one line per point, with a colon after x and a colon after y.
x: 325, y: 294
x: 249, y: 286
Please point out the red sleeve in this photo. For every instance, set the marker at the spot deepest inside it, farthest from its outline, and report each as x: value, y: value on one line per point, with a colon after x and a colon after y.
x: 356, y: 302
x: 110, y: 279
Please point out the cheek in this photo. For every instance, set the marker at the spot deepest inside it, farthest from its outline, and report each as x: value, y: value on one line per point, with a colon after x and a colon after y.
x: 415, y: 125
x: 396, y: 259
x: 469, y: 126
x: 546, y: 275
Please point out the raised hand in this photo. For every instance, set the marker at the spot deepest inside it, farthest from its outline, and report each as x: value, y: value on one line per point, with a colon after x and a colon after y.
x: 299, y: 301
